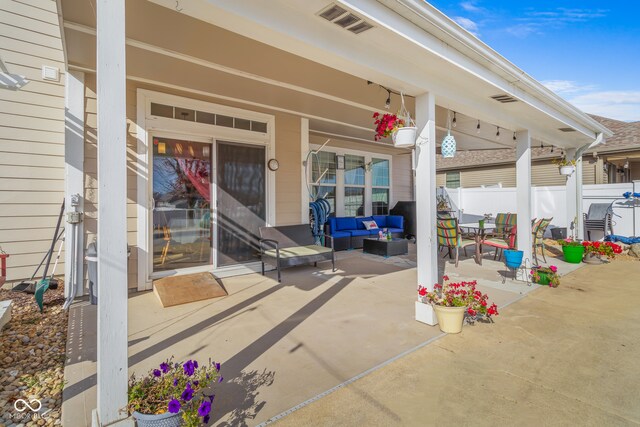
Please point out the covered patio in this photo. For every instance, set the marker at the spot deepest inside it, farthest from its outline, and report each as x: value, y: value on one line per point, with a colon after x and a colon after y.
x: 302, y: 75
x: 281, y: 345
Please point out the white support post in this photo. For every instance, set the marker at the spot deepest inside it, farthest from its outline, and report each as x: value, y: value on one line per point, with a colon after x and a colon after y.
x: 579, y: 205
x: 426, y: 233
x: 112, y: 364
x: 304, y: 151
x: 74, y: 181
x: 523, y: 192
x: 571, y: 188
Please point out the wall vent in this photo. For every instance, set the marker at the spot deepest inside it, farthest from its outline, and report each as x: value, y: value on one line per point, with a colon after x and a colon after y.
x: 566, y: 129
x: 505, y: 99
x: 344, y: 19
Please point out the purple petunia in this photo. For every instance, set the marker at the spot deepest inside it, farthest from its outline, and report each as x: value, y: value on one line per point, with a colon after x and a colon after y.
x: 218, y: 367
x: 187, y: 394
x: 196, y: 382
x: 175, y: 382
x: 195, y: 364
x: 189, y: 367
x: 174, y: 406
x: 204, y: 409
x: 213, y: 396
x: 206, y: 419
x: 164, y: 366
x: 220, y: 379
x: 157, y: 373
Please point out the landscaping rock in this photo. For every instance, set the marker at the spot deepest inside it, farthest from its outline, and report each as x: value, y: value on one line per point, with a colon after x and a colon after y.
x: 634, y: 250
x: 32, y: 357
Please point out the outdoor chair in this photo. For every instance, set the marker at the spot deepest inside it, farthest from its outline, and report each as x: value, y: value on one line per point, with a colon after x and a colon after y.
x: 504, y: 235
x: 598, y: 219
x: 450, y: 237
x: 537, y: 231
x: 292, y: 245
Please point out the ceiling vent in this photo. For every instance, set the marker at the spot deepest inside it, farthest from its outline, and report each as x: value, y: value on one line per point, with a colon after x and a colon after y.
x: 566, y: 129
x: 505, y: 99
x: 344, y: 19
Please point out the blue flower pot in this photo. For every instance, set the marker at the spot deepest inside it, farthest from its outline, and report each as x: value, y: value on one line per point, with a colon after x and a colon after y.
x: 513, y: 258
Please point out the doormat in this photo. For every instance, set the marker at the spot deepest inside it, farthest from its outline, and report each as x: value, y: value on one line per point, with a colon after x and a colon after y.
x: 176, y: 290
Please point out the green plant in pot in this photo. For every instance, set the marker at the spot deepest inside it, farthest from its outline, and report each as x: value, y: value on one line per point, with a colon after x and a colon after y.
x: 174, y: 395
x: 546, y: 276
x: 453, y: 302
x: 572, y: 250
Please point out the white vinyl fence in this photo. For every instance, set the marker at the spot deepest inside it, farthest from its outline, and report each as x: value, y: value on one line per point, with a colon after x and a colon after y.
x: 549, y: 202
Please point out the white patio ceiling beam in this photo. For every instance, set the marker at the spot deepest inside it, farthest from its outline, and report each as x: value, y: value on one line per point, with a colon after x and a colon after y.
x: 112, y: 363
x: 523, y: 192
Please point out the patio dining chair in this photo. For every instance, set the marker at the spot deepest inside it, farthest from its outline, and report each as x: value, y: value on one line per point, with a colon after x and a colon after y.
x: 450, y: 237
x: 507, y: 239
x: 598, y: 219
x: 538, y: 229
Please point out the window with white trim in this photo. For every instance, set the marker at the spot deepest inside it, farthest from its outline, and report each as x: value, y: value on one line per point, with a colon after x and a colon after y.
x: 362, y: 185
x: 379, y: 186
x: 323, y: 177
x: 354, y: 185
x: 452, y: 180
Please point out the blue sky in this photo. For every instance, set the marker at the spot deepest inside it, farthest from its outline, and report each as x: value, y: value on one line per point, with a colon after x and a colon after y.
x: 588, y: 52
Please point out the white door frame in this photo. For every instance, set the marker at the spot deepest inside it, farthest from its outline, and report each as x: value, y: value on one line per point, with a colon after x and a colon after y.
x: 147, y: 125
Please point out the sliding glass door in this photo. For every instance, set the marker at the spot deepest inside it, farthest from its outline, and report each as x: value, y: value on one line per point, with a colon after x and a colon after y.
x: 181, y: 204
x: 240, y: 201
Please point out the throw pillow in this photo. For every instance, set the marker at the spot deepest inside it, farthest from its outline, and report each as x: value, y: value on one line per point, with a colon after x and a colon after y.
x: 370, y: 225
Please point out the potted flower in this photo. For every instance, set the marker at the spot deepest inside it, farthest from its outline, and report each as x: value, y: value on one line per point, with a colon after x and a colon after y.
x: 546, y: 276
x: 572, y: 250
x: 453, y: 301
x: 566, y: 167
x: 386, y: 124
x: 595, y: 250
x: 174, y: 394
x: 400, y: 126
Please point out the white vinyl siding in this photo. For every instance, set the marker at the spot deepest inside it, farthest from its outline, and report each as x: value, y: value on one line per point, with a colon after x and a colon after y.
x: 31, y: 135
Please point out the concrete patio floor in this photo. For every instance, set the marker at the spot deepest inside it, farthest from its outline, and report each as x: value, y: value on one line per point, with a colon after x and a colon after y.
x: 561, y: 357
x: 280, y: 344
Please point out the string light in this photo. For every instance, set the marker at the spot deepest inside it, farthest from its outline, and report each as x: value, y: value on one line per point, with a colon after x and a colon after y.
x: 497, y: 132
x: 455, y: 121
x: 478, y: 127
x: 514, y: 136
x: 387, y: 103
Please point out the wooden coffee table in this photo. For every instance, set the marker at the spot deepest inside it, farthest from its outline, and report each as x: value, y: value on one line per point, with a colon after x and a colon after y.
x: 385, y: 247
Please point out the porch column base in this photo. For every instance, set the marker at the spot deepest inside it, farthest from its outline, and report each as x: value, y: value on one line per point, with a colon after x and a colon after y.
x: 426, y: 314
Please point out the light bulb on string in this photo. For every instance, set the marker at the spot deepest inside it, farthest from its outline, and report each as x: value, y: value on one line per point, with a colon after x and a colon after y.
x: 478, y: 127
x: 455, y: 121
x: 497, y: 132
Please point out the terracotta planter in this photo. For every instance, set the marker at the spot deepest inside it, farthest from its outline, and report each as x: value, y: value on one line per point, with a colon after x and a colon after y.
x: 450, y: 319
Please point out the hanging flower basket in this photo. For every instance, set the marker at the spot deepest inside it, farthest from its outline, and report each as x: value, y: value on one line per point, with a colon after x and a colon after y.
x: 567, y: 170
x: 405, y: 137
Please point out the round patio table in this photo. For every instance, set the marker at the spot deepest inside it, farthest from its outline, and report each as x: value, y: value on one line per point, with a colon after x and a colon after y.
x: 478, y: 234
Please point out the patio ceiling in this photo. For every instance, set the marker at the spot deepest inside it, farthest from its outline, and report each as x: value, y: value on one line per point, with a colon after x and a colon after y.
x: 296, y: 62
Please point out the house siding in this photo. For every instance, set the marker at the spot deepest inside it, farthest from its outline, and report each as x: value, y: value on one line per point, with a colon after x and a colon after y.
x: 31, y: 135
x: 543, y: 173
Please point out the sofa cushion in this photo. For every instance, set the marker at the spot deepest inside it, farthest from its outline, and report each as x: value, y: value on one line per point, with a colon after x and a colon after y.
x: 395, y: 230
x: 381, y: 220
x: 346, y: 224
x: 360, y: 222
x: 359, y: 233
x: 395, y: 221
x: 332, y: 225
x: 299, y: 251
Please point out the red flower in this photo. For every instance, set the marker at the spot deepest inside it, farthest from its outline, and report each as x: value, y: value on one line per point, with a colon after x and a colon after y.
x: 471, y: 311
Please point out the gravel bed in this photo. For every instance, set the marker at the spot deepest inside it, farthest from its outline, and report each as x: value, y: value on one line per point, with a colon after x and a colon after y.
x: 32, y: 355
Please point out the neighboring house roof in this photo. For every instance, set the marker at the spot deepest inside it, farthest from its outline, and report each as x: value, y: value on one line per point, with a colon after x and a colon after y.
x: 626, y: 137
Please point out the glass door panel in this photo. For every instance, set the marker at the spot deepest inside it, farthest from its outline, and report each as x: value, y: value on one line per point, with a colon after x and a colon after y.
x: 181, y: 204
x: 241, y: 201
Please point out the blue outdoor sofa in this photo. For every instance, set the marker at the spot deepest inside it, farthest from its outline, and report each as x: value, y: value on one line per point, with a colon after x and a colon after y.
x: 349, y: 232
